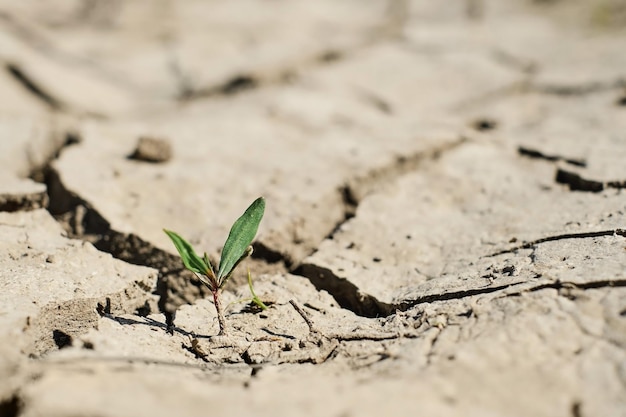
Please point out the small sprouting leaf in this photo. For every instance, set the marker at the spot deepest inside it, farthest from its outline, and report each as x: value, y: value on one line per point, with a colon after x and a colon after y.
x: 240, y: 237
x: 208, y: 262
x: 191, y: 260
x: 207, y: 280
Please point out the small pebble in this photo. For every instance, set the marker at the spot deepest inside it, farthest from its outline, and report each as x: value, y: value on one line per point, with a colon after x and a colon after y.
x: 152, y: 150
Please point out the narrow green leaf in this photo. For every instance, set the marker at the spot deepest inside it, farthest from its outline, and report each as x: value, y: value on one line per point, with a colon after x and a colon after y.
x: 240, y: 237
x: 191, y: 260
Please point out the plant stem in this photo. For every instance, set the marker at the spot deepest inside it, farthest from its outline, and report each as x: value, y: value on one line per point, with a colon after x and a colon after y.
x: 220, y: 312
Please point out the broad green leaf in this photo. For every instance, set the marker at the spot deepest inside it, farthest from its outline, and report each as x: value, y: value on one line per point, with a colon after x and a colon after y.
x: 191, y: 260
x: 247, y: 253
x: 241, y: 235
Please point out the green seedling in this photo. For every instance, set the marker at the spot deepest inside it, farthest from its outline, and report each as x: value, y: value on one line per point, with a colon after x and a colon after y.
x: 256, y: 300
x: 236, y: 249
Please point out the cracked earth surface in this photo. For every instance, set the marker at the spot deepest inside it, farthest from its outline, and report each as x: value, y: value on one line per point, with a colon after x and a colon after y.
x: 445, y: 230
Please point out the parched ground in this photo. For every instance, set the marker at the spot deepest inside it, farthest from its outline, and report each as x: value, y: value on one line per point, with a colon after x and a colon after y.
x: 445, y: 232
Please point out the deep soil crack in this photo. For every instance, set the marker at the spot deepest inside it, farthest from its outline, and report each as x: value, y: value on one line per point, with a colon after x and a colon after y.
x: 12, y: 406
x: 347, y: 294
x: 454, y: 295
x: 175, y: 286
x: 23, y: 202
x: 82, y: 221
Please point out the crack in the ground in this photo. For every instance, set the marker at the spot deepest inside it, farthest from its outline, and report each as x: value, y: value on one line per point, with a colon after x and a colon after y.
x: 174, y: 285
x: 33, y: 87
x: 350, y: 204
x: 236, y: 84
x: 12, y: 202
x: 348, y: 295
x: 577, y: 183
x: 573, y: 180
x: 558, y: 285
x: 30, y: 37
x: 536, y: 154
x: 583, y: 89
x: 453, y: 295
x: 562, y: 285
x: 242, y: 82
x: 358, y: 188
x: 361, y: 186
x: 84, y: 222
x: 530, y: 68
x: 528, y: 86
x: 12, y: 406
x: 580, y: 235
x: 281, y: 75
x: 37, y: 199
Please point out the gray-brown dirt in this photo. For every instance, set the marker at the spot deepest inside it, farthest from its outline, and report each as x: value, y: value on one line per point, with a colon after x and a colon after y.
x: 445, y: 226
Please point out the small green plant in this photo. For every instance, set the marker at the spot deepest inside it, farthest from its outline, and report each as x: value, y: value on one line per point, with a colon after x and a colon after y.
x: 236, y: 249
x: 255, y: 299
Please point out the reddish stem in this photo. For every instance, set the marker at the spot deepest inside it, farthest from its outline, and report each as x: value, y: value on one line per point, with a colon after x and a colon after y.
x: 220, y: 313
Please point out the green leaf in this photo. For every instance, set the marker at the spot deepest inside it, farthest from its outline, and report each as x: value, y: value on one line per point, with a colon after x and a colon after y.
x: 247, y: 253
x: 240, y: 237
x: 191, y: 260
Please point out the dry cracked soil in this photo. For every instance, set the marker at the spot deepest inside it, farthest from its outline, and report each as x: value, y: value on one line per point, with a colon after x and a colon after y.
x: 445, y: 232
